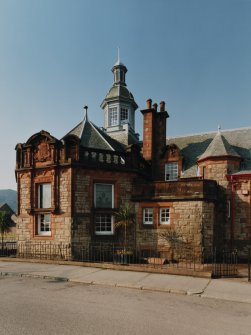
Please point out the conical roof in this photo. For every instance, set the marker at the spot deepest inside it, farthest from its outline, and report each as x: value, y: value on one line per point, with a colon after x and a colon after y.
x: 91, y: 136
x: 219, y: 147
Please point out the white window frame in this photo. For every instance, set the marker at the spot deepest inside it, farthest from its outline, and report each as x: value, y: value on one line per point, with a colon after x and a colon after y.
x: 148, y: 216
x: 124, y: 111
x: 171, y: 171
x: 164, y: 218
x: 41, y: 231
x: 41, y: 191
x: 95, y: 201
x: 113, y: 116
x: 104, y: 232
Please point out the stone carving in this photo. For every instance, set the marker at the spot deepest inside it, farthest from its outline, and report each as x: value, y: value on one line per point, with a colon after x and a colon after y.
x: 42, y: 153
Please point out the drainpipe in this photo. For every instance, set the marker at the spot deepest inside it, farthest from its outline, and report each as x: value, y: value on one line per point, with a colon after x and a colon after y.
x: 232, y: 212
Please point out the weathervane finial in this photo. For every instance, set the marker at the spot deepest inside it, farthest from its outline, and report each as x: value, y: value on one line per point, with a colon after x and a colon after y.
x: 118, y: 56
x: 86, y: 112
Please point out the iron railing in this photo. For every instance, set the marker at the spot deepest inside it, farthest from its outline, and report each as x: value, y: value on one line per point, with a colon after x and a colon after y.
x: 8, y: 248
x: 44, y: 250
x: 221, y: 263
x: 150, y: 257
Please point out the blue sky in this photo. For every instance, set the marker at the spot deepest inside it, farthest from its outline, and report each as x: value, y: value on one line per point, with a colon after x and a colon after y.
x: 56, y: 56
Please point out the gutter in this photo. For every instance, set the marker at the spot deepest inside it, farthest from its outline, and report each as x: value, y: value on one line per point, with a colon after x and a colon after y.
x: 232, y: 212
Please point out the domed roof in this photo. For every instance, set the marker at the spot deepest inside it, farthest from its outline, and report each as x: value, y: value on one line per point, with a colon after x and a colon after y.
x: 119, y: 92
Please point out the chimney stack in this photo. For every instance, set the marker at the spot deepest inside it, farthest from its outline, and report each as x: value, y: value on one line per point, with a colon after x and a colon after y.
x: 149, y: 103
x: 154, y: 130
x: 162, y: 106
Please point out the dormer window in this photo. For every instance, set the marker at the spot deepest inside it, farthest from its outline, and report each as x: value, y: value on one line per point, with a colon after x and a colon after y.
x: 113, y: 116
x: 171, y: 171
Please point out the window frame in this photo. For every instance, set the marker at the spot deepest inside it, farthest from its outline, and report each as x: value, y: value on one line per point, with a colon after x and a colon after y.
x: 124, y: 111
x: 113, y: 116
x: 102, y: 212
x: 104, y: 232
x: 41, y: 232
x: 164, y: 222
x: 95, y: 189
x: 40, y: 195
x: 147, y: 215
x: 173, y: 173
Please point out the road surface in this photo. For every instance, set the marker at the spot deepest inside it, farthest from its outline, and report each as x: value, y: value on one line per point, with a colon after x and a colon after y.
x: 35, y: 306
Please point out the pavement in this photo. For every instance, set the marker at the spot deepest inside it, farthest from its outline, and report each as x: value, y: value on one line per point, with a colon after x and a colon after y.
x: 234, y: 289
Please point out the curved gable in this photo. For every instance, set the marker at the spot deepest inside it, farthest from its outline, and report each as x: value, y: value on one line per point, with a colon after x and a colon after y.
x: 172, y: 152
x: 41, y: 135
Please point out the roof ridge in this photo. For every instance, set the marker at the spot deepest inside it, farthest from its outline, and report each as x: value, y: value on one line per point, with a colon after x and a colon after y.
x: 208, y: 132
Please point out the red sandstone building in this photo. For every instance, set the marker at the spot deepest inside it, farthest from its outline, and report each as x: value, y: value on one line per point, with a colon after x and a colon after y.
x: 197, y: 185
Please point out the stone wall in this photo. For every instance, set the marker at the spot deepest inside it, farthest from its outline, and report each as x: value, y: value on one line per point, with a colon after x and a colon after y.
x: 24, y: 226
x: 192, y: 223
x: 217, y: 169
x: 83, y: 203
x: 241, y: 216
x: 60, y: 217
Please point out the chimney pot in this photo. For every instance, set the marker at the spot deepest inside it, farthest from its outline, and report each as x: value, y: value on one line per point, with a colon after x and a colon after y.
x: 162, y: 106
x: 149, y: 103
x: 155, y: 106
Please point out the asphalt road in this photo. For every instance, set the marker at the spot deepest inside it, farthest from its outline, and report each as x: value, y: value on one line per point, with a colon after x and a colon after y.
x: 35, y: 306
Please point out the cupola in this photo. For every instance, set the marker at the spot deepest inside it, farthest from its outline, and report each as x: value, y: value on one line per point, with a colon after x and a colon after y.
x: 119, y: 108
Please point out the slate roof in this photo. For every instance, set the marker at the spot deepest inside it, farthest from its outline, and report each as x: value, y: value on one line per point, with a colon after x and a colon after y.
x: 194, y: 146
x: 93, y: 137
x: 219, y: 147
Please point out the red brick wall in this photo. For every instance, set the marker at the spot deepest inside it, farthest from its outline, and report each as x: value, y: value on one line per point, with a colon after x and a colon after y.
x: 148, y: 138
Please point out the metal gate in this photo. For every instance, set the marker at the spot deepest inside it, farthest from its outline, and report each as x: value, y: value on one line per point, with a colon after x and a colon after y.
x: 225, y: 264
